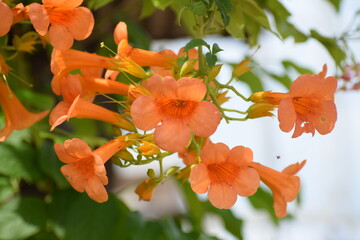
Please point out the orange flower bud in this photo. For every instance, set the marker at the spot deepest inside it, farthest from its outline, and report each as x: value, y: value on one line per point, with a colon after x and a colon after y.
x: 145, y: 189
x: 148, y: 149
x: 258, y: 110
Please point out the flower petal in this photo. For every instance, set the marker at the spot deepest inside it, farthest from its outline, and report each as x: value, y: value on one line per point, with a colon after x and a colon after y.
x: 120, y: 32
x: 247, y: 182
x: 324, y: 120
x: 63, y: 3
x: 6, y: 18
x: 39, y: 18
x: 81, y: 23
x: 145, y: 113
x: 172, y: 136
x: 222, y: 196
x: 214, y: 153
x: 240, y: 156
x: 77, y: 148
x: 59, y: 37
x: 63, y: 155
x: 161, y: 87
x: 96, y: 190
x: 191, y: 89
x: 286, y: 115
x: 205, y: 119
x: 199, y: 178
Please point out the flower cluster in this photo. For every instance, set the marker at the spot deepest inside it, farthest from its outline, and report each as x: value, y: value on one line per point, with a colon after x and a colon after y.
x: 174, y: 107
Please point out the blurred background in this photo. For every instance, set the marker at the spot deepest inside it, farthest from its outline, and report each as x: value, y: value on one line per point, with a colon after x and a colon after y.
x: 37, y: 203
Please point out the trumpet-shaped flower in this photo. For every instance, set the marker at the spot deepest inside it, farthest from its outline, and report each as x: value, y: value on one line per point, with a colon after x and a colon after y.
x: 84, y: 168
x: 6, y: 18
x: 178, y: 106
x: 145, y: 189
x: 62, y: 62
x: 224, y: 174
x: 62, y: 20
x: 89, y: 84
x: 16, y: 116
x: 81, y: 108
x: 140, y: 56
x: 309, y: 105
x: 284, y: 185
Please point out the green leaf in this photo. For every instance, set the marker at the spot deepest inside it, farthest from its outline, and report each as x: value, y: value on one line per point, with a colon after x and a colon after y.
x: 210, y: 59
x: 77, y: 217
x: 195, y: 43
x: 285, y: 80
x: 195, y: 207
x: 19, y: 161
x: 50, y: 164
x: 225, y: 7
x: 198, y: 8
x: 161, y: 4
x: 302, y: 70
x: 237, y: 22
x: 6, y: 190
x: 252, y: 9
x: 263, y: 200
x: 336, y: 4
x: 96, y: 4
x: 252, y: 80
x: 287, y: 29
x: 147, y: 9
x: 232, y: 223
x: 331, y: 46
x: 216, y: 48
x: 22, y: 218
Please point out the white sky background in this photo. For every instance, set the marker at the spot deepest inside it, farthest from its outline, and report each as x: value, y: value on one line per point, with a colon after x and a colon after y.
x: 330, y: 208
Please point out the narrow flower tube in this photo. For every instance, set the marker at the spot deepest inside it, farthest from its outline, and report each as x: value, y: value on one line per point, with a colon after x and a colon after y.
x: 284, y: 185
x: 81, y: 108
x: 62, y: 62
x: 84, y: 168
x: 16, y: 116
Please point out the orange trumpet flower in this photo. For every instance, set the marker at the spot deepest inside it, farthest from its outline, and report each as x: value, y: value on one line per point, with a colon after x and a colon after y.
x: 81, y: 108
x: 63, y: 21
x: 309, y: 105
x: 224, y: 174
x: 84, y: 168
x: 178, y: 106
x: 140, y: 56
x: 89, y: 84
x: 16, y: 116
x: 284, y: 185
x: 62, y: 62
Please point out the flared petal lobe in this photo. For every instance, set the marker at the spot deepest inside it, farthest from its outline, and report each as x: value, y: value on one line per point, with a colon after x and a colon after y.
x: 225, y: 174
x: 16, y: 115
x: 6, y: 18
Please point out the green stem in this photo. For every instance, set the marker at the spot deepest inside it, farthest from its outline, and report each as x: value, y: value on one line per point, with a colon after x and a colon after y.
x: 232, y: 89
x: 233, y: 110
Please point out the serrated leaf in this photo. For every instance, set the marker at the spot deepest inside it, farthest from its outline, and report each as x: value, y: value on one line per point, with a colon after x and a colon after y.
x: 198, y: 8
x: 195, y: 43
x: 252, y: 80
x: 252, y: 9
x: 331, y: 46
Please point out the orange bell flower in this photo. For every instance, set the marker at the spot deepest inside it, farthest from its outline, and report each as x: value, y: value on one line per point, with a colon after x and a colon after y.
x: 81, y: 108
x: 63, y: 21
x: 145, y: 189
x: 89, y: 84
x: 62, y: 62
x: 6, y: 18
x: 84, y: 168
x: 140, y: 56
x: 178, y: 106
x: 284, y: 185
x: 16, y: 116
x: 224, y: 174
